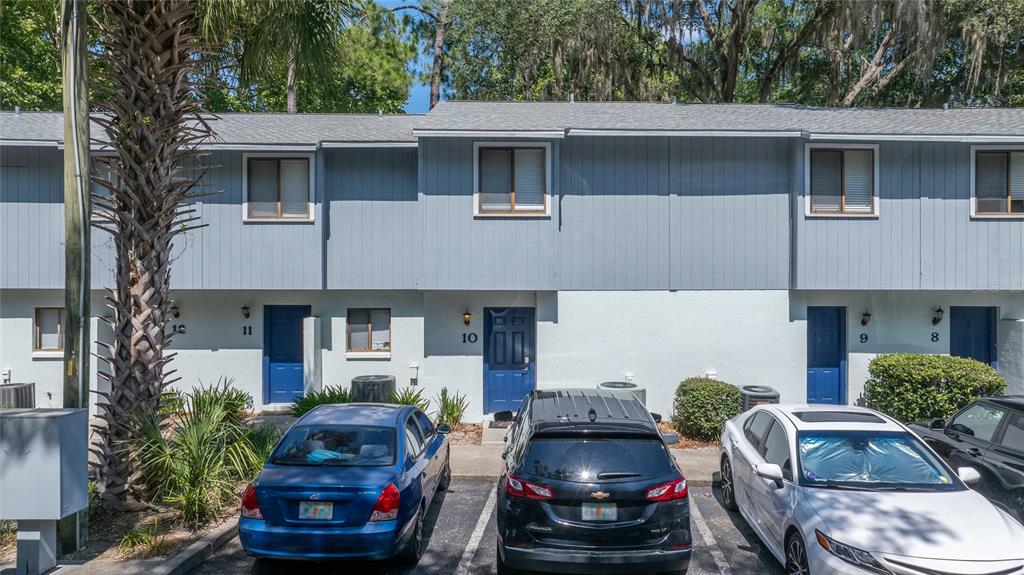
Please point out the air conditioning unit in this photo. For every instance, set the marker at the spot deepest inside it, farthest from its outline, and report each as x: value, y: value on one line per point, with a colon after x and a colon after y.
x: 18, y: 395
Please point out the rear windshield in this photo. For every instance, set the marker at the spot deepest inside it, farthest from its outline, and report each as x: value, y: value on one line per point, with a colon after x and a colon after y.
x: 336, y: 445
x: 591, y: 460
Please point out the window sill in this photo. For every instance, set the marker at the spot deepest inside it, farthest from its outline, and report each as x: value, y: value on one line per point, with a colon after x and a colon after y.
x: 843, y: 216
x: 53, y: 354
x: 512, y: 215
x: 277, y: 220
x: 385, y: 355
x: 997, y: 216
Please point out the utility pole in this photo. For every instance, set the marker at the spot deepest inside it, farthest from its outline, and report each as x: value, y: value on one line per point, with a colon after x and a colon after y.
x: 74, y: 67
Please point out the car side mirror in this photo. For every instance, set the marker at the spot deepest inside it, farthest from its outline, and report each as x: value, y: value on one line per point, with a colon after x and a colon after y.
x: 968, y: 475
x: 937, y: 424
x: 503, y: 416
x: 443, y: 428
x: 769, y: 471
x: 656, y: 416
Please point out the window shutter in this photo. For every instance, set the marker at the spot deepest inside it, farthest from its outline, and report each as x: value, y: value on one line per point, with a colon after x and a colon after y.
x: 826, y: 181
x: 295, y: 188
x: 495, y: 173
x: 859, y: 181
x: 990, y: 184
x: 1017, y: 182
x: 262, y: 184
x: 358, y: 330
x: 531, y: 179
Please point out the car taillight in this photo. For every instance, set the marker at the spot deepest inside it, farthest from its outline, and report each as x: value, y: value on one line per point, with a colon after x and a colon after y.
x: 251, y: 504
x: 386, y: 508
x: 668, y: 491
x: 516, y: 487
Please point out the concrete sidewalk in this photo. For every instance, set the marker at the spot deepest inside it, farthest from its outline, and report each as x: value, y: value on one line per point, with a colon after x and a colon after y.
x: 484, y: 462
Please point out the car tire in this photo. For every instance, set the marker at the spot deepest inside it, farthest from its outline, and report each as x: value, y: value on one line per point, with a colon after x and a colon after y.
x: 796, y: 556
x: 446, y: 474
x: 413, y: 550
x: 728, y: 486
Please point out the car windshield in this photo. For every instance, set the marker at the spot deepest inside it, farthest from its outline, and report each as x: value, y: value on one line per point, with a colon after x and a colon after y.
x: 336, y: 445
x: 589, y: 460
x: 870, y: 460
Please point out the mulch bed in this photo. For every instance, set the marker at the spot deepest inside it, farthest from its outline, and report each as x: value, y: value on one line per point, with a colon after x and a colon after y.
x: 466, y: 434
x: 686, y: 442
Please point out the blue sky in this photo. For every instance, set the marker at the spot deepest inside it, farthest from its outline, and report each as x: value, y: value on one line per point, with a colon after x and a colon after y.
x: 419, y: 98
x: 419, y: 94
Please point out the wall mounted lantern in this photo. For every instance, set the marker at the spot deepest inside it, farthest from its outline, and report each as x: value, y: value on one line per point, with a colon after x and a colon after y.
x: 175, y: 311
x: 937, y: 315
x: 467, y: 317
x: 865, y: 318
x: 245, y: 311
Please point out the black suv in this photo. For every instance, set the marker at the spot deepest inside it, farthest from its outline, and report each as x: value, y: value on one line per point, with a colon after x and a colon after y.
x: 589, y: 486
x: 987, y: 435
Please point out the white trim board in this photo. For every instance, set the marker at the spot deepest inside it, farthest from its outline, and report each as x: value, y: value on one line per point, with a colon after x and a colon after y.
x: 369, y: 144
x: 915, y: 138
x: 557, y: 134
x: 689, y: 133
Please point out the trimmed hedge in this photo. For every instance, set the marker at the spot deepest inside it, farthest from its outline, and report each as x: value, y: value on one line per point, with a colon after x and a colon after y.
x: 702, y: 406
x: 913, y: 386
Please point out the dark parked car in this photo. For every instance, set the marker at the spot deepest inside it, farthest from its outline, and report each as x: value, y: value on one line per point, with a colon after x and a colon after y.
x: 589, y: 486
x: 987, y: 435
x: 347, y: 482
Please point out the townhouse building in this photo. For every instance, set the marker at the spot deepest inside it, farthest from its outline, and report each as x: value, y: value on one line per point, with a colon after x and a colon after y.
x: 491, y: 248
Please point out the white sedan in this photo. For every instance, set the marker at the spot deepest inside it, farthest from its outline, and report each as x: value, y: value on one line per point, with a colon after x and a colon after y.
x: 837, y: 489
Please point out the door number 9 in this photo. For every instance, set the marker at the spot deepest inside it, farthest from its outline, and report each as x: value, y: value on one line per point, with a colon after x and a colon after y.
x: 863, y: 338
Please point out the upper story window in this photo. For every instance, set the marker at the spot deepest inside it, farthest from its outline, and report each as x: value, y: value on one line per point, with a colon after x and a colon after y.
x: 278, y: 188
x: 369, y: 330
x: 999, y: 182
x: 842, y: 181
x: 512, y: 179
x: 49, y: 329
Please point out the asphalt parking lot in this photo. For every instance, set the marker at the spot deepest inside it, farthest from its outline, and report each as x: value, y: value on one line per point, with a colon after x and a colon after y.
x: 461, y: 541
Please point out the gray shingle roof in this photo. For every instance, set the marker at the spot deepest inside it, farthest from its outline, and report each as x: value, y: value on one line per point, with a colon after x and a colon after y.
x: 500, y: 116
x: 245, y: 128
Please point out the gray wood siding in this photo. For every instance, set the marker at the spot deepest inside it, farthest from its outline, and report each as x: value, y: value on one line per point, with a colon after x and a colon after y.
x: 373, y: 233
x: 924, y: 236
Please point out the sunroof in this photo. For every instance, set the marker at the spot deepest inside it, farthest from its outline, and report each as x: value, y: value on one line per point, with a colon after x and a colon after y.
x: 837, y: 417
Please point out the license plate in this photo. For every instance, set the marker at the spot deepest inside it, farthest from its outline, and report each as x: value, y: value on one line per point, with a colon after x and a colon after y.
x: 315, y: 510
x: 600, y: 512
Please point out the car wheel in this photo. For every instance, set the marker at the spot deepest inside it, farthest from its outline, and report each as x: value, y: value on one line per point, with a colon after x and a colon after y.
x: 728, y: 486
x: 414, y: 548
x: 446, y: 475
x: 796, y: 556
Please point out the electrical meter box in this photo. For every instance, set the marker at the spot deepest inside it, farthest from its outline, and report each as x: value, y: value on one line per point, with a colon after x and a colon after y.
x: 43, y: 463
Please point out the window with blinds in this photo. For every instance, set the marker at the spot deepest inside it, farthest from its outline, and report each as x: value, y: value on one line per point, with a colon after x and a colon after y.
x: 512, y: 180
x: 49, y: 329
x: 999, y: 182
x: 278, y: 188
x: 369, y: 330
x: 842, y: 181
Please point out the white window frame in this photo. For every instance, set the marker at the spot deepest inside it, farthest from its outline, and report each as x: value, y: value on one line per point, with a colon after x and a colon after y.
x: 368, y: 353
x: 279, y: 156
x: 974, y: 181
x: 808, y: 213
x: 37, y: 336
x: 548, y: 192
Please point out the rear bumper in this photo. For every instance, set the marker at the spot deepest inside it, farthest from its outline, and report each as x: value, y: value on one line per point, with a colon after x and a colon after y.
x: 586, y: 562
x: 378, y: 540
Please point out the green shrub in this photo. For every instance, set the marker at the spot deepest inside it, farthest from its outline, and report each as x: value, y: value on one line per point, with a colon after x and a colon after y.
x: 197, y: 463
x: 140, y: 536
x: 328, y: 395
x: 451, y: 407
x: 410, y: 396
x: 702, y: 406
x: 913, y: 386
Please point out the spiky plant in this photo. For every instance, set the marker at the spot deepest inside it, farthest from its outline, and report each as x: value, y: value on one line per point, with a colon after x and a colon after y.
x: 152, y: 122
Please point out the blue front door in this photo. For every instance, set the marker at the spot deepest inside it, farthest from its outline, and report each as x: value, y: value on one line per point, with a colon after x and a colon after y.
x: 282, y: 352
x: 972, y: 333
x: 826, y: 355
x: 509, y: 361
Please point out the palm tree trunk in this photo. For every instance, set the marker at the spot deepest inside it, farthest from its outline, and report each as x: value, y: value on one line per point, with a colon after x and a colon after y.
x: 293, y: 103
x: 153, y: 125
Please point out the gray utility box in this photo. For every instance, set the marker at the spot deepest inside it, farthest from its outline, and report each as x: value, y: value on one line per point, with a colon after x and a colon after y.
x: 43, y: 463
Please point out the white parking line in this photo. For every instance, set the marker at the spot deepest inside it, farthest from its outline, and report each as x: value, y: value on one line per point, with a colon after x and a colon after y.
x: 478, y: 532
x: 709, y: 540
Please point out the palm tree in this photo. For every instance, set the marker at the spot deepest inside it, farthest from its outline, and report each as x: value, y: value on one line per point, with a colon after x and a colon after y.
x: 153, y: 124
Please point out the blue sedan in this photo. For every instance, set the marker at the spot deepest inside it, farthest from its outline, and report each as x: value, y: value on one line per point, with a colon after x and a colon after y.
x: 350, y: 481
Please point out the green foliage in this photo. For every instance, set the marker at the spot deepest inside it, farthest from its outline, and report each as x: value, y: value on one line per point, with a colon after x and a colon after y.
x: 912, y: 386
x: 145, y: 535
x: 328, y: 395
x: 410, y: 396
x: 30, y: 55
x: 451, y: 407
x: 702, y: 406
x: 198, y: 462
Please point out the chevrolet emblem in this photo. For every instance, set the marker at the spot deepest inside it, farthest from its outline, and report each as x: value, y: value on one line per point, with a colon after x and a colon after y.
x: 599, y: 495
